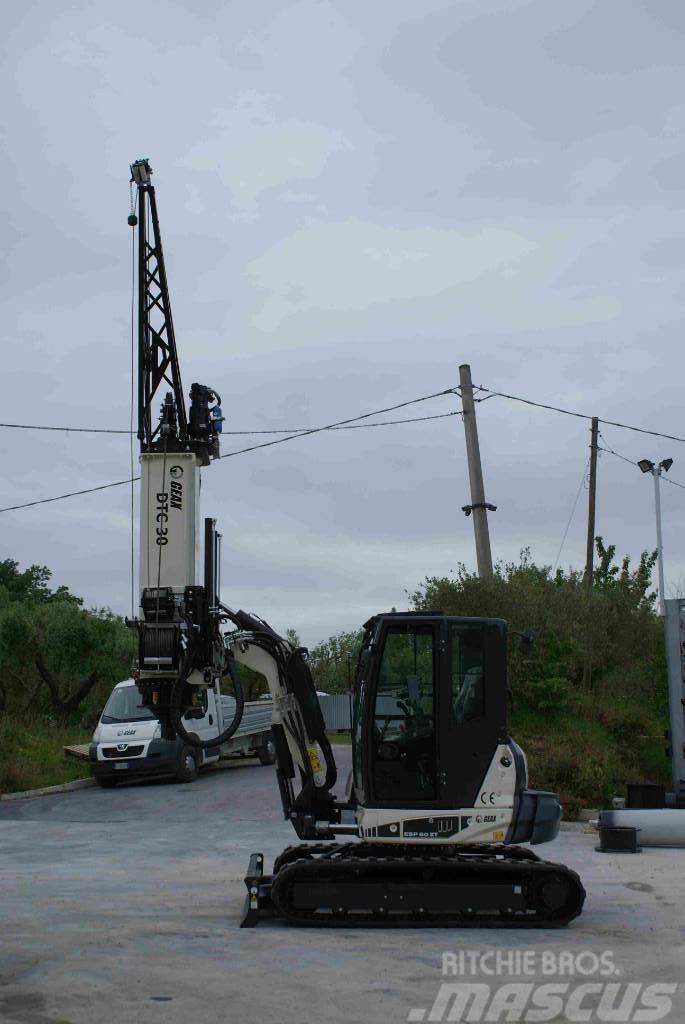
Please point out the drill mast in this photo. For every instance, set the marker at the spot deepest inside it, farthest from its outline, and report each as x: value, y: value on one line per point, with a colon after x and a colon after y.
x: 180, y: 646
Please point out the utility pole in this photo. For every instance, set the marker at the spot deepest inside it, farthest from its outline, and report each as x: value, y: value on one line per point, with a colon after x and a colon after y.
x: 590, y: 555
x: 478, y: 507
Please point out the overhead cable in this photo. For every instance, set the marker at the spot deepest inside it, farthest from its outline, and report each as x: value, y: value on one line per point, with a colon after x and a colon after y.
x: 570, y: 412
x: 573, y: 512
x: 71, y: 494
x: 241, y: 433
x: 610, y: 451
x: 314, y: 430
x: 339, y: 423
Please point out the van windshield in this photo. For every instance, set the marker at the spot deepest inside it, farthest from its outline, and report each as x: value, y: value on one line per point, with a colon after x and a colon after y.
x: 124, y: 706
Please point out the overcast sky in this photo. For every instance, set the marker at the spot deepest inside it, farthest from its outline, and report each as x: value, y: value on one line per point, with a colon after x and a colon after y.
x: 355, y: 198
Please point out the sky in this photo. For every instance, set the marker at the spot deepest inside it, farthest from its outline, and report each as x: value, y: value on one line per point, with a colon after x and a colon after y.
x: 354, y: 200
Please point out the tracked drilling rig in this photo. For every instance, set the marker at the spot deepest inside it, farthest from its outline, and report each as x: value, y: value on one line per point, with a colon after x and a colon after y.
x: 438, y: 801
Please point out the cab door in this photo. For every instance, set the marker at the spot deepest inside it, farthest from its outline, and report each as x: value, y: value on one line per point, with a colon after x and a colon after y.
x: 473, y: 705
x: 401, y: 716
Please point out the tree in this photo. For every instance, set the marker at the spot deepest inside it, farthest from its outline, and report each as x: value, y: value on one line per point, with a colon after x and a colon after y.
x: 53, y: 652
x: 333, y: 662
x: 32, y: 584
x: 614, y: 627
x: 292, y: 636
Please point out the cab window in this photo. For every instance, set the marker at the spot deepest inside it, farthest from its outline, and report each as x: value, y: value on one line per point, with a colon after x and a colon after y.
x: 404, y: 746
x: 467, y: 673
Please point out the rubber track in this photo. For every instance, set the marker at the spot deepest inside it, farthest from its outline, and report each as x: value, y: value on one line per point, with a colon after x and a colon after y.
x: 356, y: 864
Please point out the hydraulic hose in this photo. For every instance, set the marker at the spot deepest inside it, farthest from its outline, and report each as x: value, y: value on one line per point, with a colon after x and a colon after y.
x: 177, y: 713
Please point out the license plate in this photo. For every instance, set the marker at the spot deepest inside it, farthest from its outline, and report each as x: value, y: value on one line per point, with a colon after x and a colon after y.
x: 120, y: 765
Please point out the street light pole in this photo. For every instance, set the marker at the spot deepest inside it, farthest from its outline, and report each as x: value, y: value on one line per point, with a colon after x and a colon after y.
x: 656, y: 472
x: 647, y: 466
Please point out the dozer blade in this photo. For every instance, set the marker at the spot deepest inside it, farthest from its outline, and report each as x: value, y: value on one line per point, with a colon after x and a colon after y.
x: 362, y: 885
x: 258, y: 892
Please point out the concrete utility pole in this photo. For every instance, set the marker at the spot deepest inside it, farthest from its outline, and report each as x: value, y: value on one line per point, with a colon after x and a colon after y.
x: 590, y: 556
x: 478, y: 507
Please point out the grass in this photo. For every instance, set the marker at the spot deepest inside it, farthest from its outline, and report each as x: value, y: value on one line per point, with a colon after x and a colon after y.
x: 32, y: 755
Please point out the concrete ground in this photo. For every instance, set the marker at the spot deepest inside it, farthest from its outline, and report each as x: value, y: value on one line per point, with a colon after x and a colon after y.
x: 124, y: 905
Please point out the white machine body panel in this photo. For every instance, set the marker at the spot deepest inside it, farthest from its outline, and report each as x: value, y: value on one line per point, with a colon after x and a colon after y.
x: 487, y: 822
x: 169, y: 514
x: 285, y: 709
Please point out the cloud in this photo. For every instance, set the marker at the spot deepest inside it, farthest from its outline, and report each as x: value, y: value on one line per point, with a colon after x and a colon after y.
x: 253, y: 148
x: 354, y: 265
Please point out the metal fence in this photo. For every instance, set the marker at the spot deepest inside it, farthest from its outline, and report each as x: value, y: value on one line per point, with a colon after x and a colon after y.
x: 337, y: 711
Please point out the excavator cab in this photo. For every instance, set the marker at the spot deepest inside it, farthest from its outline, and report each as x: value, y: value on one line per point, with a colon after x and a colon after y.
x: 430, y: 709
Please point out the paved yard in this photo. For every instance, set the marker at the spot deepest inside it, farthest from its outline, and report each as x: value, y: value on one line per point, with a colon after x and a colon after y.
x: 124, y: 905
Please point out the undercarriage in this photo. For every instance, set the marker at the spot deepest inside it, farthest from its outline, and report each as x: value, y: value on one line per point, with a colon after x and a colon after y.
x: 375, y: 885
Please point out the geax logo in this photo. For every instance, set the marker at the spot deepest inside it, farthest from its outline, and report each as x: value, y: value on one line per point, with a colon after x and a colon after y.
x: 176, y: 487
x: 576, y: 1000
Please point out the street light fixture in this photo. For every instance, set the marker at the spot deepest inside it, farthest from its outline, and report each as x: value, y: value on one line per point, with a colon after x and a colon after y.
x: 647, y: 466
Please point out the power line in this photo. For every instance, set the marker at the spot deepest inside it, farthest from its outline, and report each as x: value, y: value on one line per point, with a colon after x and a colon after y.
x: 345, y: 425
x: 579, y: 415
x: 67, y: 430
x: 240, y: 433
x: 339, y: 423
x: 610, y: 451
x: 313, y: 430
x: 570, y: 518
x: 71, y: 494
x: 348, y: 426
x: 632, y: 462
x: 675, y: 483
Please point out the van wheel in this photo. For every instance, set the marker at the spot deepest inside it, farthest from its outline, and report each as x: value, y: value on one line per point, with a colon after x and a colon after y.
x: 267, y: 753
x: 188, y: 769
x: 107, y: 782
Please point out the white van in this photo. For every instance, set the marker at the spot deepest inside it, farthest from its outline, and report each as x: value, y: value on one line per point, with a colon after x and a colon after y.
x: 127, y: 741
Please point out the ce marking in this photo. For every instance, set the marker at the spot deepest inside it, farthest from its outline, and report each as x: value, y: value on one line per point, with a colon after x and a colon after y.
x: 487, y: 797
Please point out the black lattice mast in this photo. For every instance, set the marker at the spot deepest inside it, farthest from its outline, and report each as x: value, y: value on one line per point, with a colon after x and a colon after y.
x: 158, y: 369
